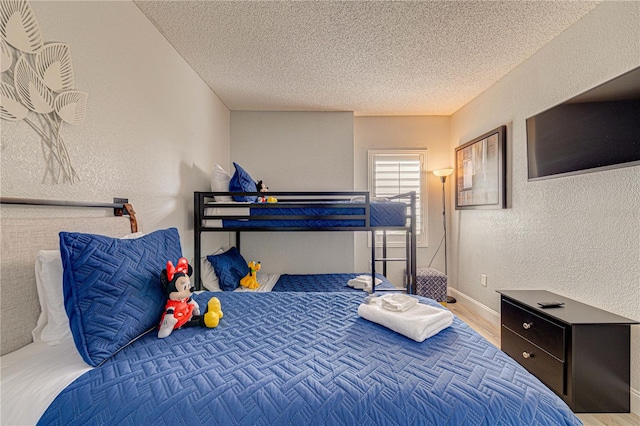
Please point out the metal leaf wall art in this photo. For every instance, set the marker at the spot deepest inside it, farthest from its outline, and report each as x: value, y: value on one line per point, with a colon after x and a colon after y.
x: 38, y: 78
x: 53, y: 63
x: 6, y: 58
x: 18, y: 26
x: 71, y: 106
x: 31, y: 89
x: 10, y: 107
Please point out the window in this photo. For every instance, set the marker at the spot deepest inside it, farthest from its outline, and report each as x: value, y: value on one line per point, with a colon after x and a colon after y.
x: 393, y: 172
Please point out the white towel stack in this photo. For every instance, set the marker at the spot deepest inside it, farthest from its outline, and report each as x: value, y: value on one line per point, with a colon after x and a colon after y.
x: 417, y: 321
x: 398, y: 302
x: 362, y: 282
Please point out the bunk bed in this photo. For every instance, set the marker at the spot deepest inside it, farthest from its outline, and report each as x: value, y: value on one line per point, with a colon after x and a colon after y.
x: 315, y: 211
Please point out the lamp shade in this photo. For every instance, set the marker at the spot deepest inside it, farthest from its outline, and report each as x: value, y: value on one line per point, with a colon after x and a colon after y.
x: 443, y: 172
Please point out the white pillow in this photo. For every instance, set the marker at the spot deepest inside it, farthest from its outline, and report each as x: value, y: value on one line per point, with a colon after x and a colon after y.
x: 220, y: 182
x: 208, y: 275
x: 53, y: 323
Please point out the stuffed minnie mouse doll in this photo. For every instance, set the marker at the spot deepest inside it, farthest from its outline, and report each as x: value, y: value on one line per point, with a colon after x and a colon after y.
x: 181, y: 310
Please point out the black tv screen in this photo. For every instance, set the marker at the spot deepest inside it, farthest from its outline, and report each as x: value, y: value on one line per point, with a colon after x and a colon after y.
x: 597, y: 130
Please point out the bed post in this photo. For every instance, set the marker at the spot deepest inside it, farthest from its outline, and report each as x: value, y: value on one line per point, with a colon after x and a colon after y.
x: 373, y: 260
x: 413, y: 244
x: 407, y: 262
x: 197, y: 240
x: 384, y: 252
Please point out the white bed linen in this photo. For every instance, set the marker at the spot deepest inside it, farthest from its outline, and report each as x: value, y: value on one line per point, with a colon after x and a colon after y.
x: 33, y: 376
x: 266, y: 281
x: 224, y: 211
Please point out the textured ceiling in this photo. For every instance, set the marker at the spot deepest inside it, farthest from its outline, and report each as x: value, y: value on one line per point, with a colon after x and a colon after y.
x: 373, y: 58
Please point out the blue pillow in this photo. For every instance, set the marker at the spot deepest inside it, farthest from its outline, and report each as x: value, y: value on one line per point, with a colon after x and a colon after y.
x: 112, y: 290
x: 230, y: 268
x: 241, y: 181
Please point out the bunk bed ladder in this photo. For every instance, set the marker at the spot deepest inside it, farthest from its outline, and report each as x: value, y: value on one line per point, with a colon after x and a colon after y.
x: 410, y: 270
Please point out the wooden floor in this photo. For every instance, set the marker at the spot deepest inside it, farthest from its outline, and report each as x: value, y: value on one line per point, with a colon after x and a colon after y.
x: 492, y: 334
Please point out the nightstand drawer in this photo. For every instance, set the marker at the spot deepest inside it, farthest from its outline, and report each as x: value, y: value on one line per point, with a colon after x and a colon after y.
x: 539, y: 363
x: 534, y: 328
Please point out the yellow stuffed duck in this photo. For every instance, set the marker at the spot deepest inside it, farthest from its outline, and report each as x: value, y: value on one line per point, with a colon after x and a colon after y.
x: 181, y: 310
x: 250, y: 281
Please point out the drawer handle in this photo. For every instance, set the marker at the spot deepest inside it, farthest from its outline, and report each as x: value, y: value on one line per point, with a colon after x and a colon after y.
x: 526, y: 355
x: 527, y: 325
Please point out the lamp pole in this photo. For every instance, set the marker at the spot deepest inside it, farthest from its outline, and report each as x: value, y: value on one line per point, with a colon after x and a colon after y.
x: 442, y: 174
x: 443, y: 179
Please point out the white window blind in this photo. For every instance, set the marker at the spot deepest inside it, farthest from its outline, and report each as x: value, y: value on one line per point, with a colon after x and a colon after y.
x: 393, y: 172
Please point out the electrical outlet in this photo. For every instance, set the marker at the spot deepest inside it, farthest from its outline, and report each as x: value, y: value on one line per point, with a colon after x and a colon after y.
x: 369, y: 266
x: 483, y: 280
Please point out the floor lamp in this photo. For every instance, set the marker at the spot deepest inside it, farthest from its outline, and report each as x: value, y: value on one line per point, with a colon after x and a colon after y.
x: 442, y: 174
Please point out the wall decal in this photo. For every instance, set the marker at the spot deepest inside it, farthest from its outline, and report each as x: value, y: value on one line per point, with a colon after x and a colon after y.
x: 38, y: 78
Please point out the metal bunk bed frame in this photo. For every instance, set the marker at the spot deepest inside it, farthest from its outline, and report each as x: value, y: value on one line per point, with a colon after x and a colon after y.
x: 204, y: 200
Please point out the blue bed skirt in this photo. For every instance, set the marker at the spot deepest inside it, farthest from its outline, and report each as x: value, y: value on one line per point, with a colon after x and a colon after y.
x: 303, y: 359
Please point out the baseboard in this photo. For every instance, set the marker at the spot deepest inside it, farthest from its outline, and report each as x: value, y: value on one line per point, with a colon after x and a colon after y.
x: 476, y: 307
x: 635, y: 402
x: 494, y: 318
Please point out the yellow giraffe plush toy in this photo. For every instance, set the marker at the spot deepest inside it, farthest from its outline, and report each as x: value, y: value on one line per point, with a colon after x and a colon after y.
x: 250, y: 281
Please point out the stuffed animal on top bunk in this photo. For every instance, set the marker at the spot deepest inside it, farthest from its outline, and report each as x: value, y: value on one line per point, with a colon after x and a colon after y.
x: 262, y: 187
x: 181, y: 310
x: 250, y: 281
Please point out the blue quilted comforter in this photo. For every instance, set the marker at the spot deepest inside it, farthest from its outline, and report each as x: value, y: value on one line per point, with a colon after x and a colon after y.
x: 324, y: 282
x: 382, y: 213
x: 307, y: 358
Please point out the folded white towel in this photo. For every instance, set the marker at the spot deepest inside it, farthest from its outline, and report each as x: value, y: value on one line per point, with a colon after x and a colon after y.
x: 361, y: 199
x: 398, y: 302
x: 418, y: 322
x: 362, y: 282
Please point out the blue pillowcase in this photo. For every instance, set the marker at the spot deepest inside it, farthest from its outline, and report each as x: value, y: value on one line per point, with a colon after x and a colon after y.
x: 112, y: 290
x: 230, y: 268
x: 241, y: 181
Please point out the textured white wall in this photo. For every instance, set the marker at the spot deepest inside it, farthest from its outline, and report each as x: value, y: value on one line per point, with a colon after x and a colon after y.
x: 411, y: 132
x: 297, y: 151
x: 153, y: 128
x: 578, y: 236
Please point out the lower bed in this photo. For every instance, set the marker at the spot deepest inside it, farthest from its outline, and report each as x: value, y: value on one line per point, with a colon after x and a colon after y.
x: 315, y: 283
x: 307, y: 358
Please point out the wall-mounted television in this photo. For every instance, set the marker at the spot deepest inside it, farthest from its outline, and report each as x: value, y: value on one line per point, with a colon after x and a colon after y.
x: 596, y: 130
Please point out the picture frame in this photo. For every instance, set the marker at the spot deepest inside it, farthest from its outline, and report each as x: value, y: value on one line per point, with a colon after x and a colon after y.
x: 480, y: 172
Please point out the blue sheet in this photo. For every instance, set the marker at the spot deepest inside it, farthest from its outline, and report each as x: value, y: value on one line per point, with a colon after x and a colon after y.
x: 324, y: 282
x: 382, y: 213
x: 302, y: 359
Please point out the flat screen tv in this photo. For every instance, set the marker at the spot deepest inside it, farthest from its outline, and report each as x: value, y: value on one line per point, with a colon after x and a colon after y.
x: 596, y: 130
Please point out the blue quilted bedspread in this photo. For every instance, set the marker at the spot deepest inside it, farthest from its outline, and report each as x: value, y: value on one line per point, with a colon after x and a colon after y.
x: 303, y: 359
x: 324, y: 282
x: 382, y: 213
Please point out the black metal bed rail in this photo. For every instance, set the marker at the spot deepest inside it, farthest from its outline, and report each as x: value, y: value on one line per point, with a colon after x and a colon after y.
x: 325, y: 199
x: 341, y: 194
x: 290, y: 204
x: 289, y: 217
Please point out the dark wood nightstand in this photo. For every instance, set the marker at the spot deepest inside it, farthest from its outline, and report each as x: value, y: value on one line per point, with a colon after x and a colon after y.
x: 580, y: 352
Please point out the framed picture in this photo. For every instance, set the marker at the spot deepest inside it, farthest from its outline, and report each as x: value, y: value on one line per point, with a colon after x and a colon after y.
x: 480, y: 172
